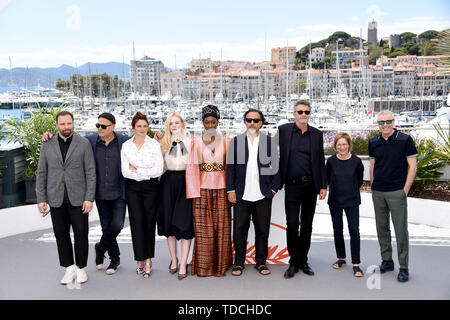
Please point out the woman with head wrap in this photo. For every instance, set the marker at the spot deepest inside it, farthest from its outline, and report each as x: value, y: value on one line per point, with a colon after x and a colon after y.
x: 211, y: 210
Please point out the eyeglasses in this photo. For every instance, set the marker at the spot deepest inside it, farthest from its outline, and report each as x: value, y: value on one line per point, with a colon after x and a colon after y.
x: 386, y: 121
x: 249, y: 120
x: 103, y: 126
x: 300, y: 112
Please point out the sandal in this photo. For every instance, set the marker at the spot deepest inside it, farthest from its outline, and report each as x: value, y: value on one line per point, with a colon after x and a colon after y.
x: 262, y: 269
x: 339, y: 264
x: 237, y: 270
x: 146, y: 274
x: 139, y: 270
x: 357, y: 272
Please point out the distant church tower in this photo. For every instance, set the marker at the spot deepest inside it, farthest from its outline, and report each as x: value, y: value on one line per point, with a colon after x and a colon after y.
x: 372, y: 33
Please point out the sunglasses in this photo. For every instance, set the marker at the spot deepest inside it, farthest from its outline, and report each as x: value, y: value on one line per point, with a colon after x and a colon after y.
x: 103, y: 126
x: 249, y: 120
x: 300, y: 112
x: 383, y: 122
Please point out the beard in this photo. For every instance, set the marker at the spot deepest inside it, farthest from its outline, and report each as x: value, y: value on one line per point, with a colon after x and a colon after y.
x: 66, y: 133
x: 251, y: 131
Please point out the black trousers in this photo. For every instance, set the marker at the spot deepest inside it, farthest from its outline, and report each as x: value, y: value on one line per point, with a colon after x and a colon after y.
x: 260, y: 211
x: 62, y: 218
x: 352, y: 214
x: 142, y: 200
x: 298, y: 196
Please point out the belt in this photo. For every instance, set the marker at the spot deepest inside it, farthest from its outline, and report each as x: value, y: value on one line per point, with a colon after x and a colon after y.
x: 212, y: 167
x: 299, y: 180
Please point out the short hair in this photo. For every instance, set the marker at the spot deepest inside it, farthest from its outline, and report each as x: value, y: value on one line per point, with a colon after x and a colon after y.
x: 64, y: 113
x: 108, y: 116
x: 258, y: 111
x: 344, y: 135
x: 382, y: 112
x: 304, y: 102
x: 138, y: 116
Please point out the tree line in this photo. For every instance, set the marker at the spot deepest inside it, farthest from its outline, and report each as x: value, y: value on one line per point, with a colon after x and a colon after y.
x: 425, y: 44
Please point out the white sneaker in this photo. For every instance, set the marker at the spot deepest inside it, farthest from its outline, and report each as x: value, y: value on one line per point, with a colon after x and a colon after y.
x: 81, y: 275
x: 70, y: 275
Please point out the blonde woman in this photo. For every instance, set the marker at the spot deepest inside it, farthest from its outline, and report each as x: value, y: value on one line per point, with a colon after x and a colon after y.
x: 175, y: 211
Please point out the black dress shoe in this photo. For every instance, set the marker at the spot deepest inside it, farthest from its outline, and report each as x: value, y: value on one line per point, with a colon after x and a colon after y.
x: 403, y: 275
x: 290, y: 272
x: 307, y: 269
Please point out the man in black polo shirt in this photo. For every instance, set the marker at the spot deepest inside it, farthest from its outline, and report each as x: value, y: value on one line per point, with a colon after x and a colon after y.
x: 303, y: 173
x: 391, y: 153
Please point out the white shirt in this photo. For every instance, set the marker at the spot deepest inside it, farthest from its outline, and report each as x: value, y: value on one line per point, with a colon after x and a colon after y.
x: 252, y: 191
x: 148, y: 160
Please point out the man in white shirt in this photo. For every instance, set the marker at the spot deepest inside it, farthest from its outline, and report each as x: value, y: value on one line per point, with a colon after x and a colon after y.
x: 252, y: 181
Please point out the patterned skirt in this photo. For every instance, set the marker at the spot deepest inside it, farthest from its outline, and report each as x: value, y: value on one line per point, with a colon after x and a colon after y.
x: 212, y: 255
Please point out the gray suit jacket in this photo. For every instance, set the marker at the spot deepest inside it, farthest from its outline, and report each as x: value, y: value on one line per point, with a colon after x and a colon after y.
x: 77, y: 173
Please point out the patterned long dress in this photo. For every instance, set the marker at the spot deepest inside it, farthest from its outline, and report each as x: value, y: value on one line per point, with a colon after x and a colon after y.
x: 212, y: 255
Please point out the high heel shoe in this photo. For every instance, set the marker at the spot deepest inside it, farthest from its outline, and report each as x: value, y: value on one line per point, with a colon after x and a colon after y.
x: 173, y: 270
x: 147, y: 274
x: 181, y: 276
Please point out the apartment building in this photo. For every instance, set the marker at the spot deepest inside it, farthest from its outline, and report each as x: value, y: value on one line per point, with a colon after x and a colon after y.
x: 145, y: 75
x: 317, y: 55
x: 347, y: 57
x: 279, y: 55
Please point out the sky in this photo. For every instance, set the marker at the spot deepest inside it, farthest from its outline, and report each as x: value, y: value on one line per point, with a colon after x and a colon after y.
x: 48, y: 33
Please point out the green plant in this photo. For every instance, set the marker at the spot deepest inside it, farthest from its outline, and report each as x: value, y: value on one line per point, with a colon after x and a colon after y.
x: 29, y: 133
x: 444, y: 148
x: 360, y: 142
x: 429, y: 164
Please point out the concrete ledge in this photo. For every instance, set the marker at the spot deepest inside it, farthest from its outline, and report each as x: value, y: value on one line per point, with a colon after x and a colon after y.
x: 433, y: 213
x: 25, y: 219
x: 420, y: 211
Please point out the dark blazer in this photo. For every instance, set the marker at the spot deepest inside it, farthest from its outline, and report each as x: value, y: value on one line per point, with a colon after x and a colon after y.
x: 77, y: 173
x: 121, y: 139
x: 268, y: 163
x: 319, y: 172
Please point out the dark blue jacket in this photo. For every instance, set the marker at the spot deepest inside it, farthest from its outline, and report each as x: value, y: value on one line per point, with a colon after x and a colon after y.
x: 237, y: 158
x: 121, y: 139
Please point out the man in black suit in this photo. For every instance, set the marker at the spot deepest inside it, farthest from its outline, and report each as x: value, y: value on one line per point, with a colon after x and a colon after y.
x: 303, y: 174
x: 252, y: 180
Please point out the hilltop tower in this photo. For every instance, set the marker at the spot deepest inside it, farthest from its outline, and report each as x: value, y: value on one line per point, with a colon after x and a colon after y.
x: 372, y: 33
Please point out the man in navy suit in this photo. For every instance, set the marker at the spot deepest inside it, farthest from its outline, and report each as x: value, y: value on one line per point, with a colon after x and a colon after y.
x: 252, y: 180
x: 303, y: 174
x: 110, y: 191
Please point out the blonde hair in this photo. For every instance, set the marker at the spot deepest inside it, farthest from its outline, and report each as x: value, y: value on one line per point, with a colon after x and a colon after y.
x: 346, y: 137
x: 166, y: 141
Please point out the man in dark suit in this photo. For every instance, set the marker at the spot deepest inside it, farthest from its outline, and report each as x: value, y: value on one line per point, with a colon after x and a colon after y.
x: 65, y: 181
x: 252, y: 180
x: 303, y: 173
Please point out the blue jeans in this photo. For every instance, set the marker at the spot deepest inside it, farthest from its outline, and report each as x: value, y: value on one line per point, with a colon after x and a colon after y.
x: 353, y: 228
x: 112, y: 216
